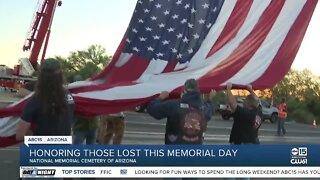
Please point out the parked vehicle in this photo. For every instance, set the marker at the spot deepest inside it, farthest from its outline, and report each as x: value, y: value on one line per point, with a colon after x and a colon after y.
x: 140, y: 109
x: 225, y: 111
x: 269, y: 112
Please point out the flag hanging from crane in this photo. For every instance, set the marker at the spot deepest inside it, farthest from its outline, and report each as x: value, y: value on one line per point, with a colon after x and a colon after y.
x: 214, y: 41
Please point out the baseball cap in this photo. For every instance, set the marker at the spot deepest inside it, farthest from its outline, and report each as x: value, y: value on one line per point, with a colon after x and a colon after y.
x: 191, y: 85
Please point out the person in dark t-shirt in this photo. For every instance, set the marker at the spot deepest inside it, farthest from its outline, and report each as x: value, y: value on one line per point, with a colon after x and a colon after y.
x: 50, y: 109
x: 175, y: 112
x: 247, y: 119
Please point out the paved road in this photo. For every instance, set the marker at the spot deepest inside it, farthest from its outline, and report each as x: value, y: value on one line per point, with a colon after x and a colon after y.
x: 8, y: 97
x: 142, y: 129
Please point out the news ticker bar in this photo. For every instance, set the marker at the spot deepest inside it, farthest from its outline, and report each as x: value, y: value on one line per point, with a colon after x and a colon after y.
x: 166, y: 172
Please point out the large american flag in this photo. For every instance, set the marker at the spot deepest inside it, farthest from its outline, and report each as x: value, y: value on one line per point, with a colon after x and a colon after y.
x: 169, y: 41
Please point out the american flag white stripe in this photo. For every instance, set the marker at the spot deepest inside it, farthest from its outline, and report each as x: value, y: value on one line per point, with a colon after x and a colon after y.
x: 156, y: 66
x: 265, y: 54
x: 152, y: 86
x: 83, y: 83
x: 216, y: 29
x: 255, y: 13
x: 180, y: 66
x: 8, y: 126
x: 123, y: 59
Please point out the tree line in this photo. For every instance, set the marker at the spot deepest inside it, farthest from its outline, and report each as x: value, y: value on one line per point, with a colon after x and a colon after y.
x: 301, y: 89
x: 85, y: 63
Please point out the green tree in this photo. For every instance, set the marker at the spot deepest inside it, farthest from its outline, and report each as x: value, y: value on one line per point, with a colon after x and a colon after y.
x: 84, y: 62
x: 302, y: 91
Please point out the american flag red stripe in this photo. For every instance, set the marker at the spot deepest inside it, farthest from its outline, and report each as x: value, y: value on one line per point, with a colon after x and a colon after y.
x: 236, y: 20
x: 248, y: 47
x: 251, y: 41
x: 288, y: 50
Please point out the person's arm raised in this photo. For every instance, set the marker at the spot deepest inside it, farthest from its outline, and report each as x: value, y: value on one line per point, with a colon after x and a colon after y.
x: 231, y: 99
x: 249, y: 88
x: 158, y: 108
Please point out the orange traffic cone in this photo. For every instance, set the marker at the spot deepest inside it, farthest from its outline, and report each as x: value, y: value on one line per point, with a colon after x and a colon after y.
x: 314, y: 124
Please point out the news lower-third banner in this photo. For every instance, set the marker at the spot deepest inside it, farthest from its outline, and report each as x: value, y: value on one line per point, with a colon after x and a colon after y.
x: 46, y: 157
x: 170, y: 155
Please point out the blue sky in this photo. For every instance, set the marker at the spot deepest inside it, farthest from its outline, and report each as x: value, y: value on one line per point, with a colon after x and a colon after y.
x: 78, y: 24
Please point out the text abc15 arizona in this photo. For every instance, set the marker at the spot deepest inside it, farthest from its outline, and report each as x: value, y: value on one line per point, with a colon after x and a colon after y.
x: 299, y: 155
x: 38, y: 172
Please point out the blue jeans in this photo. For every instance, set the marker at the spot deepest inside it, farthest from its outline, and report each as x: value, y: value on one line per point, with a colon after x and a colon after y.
x: 281, y: 129
x: 90, y: 137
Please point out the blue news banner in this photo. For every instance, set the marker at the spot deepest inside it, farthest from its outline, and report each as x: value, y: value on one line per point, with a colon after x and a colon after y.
x: 170, y: 155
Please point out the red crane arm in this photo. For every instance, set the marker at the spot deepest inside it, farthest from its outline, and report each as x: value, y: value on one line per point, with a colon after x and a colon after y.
x: 40, y: 29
